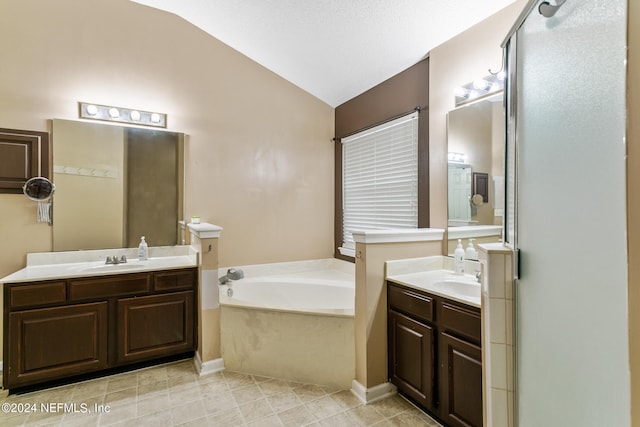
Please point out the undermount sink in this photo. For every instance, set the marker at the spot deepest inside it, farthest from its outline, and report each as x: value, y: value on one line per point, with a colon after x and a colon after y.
x: 113, y: 267
x: 460, y: 287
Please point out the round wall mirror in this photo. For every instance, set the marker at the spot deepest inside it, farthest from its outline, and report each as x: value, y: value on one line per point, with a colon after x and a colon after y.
x: 38, y: 188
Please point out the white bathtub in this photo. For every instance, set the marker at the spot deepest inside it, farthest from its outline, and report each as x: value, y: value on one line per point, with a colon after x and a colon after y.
x: 292, y: 321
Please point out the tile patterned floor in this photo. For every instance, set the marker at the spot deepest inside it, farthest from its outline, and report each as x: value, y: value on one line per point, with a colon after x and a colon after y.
x: 174, y: 395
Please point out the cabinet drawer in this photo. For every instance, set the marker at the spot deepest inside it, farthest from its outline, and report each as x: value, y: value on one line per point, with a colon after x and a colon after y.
x: 409, y: 302
x: 461, y: 320
x: 109, y: 286
x: 179, y: 279
x: 39, y: 294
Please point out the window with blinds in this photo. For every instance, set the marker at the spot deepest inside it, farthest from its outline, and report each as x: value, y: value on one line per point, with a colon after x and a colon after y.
x: 380, y: 179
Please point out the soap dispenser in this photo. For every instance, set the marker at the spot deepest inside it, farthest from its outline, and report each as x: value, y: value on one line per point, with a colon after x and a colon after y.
x: 471, y: 252
x: 458, y: 258
x: 143, y: 250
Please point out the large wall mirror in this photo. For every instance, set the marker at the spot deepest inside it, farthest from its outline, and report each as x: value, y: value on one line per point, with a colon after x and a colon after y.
x: 115, y: 184
x: 475, y: 136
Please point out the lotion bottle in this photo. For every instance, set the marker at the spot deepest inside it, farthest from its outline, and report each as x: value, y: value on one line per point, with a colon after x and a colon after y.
x: 143, y: 250
x: 458, y: 258
x: 471, y: 252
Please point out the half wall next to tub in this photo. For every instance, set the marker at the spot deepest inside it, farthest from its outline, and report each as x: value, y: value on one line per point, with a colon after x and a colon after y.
x: 291, y: 321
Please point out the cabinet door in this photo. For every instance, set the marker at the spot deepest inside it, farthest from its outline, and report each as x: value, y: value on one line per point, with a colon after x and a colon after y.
x: 155, y: 326
x: 460, y: 382
x: 411, y: 358
x: 23, y: 155
x: 51, y: 343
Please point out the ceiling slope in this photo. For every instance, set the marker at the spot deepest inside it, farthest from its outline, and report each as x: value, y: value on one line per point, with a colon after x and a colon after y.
x: 333, y: 49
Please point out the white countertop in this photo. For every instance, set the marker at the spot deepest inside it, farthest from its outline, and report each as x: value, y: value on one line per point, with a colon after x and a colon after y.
x: 432, y: 274
x: 443, y: 283
x: 59, y: 265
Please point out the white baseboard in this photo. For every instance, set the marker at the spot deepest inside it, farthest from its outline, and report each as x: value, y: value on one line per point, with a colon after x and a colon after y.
x: 372, y: 394
x: 208, y: 367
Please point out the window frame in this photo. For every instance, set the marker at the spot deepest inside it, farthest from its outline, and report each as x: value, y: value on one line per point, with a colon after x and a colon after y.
x: 423, y: 178
x: 382, y: 161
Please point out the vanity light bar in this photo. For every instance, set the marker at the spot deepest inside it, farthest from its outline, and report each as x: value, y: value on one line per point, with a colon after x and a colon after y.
x: 122, y: 115
x: 457, y: 157
x: 479, y: 88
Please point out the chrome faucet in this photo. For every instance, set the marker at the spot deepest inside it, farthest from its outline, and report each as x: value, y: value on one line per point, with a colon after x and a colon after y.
x: 479, y: 276
x: 116, y: 260
x: 235, y: 274
x: 232, y: 274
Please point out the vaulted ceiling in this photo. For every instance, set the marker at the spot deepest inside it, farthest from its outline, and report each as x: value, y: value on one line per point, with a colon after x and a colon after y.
x: 333, y: 49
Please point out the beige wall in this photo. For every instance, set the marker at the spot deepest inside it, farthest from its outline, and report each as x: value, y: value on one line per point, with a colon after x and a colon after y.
x: 459, y: 61
x: 75, y: 220
x: 633, y: 204
x: 371, y: 304
x: 261, y: 159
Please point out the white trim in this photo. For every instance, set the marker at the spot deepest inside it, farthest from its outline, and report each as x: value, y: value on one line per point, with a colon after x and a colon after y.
x: 205, y: 230
x: 208, y: 367
x: 372, y: 394
x: 474, y: 231
x: 398, y: 235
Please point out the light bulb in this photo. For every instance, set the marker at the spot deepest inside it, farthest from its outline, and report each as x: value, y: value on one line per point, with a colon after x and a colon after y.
x: 460, y: 92
x: 114, y: 113
x: 155, y: 118
x: 480, y: 84
x: 135, y: 115
x: 92, y: 110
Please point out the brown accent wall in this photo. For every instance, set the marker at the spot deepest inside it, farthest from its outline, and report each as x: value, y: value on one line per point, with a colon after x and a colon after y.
x: 397, y: 96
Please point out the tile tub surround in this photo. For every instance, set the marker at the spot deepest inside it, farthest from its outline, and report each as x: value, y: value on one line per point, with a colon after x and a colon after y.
x: 280, y: 337
x: 54, y: 265
x: 173, y: 394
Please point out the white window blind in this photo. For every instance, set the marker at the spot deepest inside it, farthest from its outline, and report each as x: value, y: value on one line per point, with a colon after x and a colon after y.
x: 380, y: 178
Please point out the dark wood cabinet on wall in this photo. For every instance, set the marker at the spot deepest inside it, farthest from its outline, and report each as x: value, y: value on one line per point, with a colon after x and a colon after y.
x: 23, y: 155
x: 61, y: 328
x: 434, y: 354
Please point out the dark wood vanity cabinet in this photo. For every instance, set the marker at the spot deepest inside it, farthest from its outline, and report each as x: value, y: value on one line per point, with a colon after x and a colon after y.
x: 461, y: 382
x: 434, y: 354
x: 412, y: 340
x: 56, y: 342
x: 58, y: 329
x: 151, y: 326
